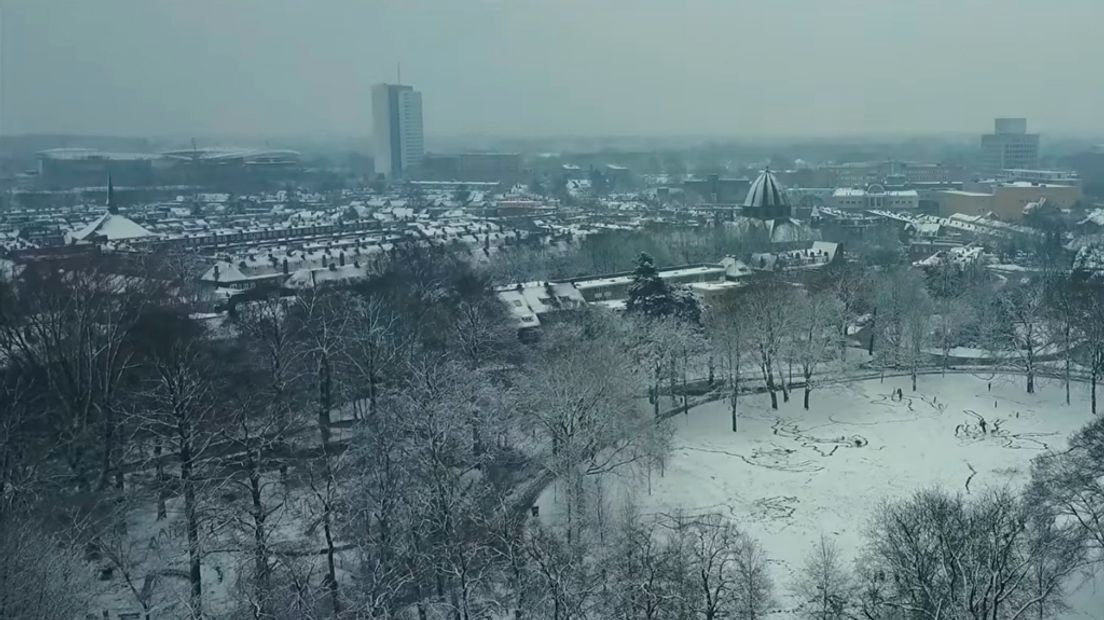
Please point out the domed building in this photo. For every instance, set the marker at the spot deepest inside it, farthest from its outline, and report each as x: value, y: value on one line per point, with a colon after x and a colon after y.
x: 766, y: 202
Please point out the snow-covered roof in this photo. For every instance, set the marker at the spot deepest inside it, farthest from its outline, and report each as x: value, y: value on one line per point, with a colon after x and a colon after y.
x: 1095, y: 217
x: 311, y: 278
x: 789, y: 230
x: 1089, y: 259
x: 527, y: 301
x: 112, y: 227
x: 849, y: 192
x: 75, y: 153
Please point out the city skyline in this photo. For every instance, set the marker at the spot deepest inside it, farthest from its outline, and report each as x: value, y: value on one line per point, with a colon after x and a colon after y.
x: 535, y: 70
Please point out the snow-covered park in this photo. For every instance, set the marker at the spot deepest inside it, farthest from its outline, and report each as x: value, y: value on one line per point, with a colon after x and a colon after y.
x: 791, y: 475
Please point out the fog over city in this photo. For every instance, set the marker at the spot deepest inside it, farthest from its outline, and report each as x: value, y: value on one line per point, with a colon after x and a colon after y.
x: 569, y: 68
x: 551, y: 310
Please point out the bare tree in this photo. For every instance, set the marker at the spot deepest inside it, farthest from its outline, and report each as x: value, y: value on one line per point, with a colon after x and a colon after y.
x: 182, y: 409
x: 824, y: 584
x: 769, y: 319
x: 939, y: 556
x: 1088, y: 306
x: 138, y: 563
x: 1024, y: 330
x: 641, y: 574
x: 815, y: 317
x: 42, y: 578
x: 583, y: 407
x: 849, y: 285
x: 381, y: 505
x: 73, y: 326
x: 662, y: 341
x: 271, y: 337
x: 450, y: 496
x: 904, y: 320
x: 1071, y: 483
x: 1063, y: 307
x: 953, y: 316
x: 566, y: 585
x: 325, y: 319
x: 377, y: 345
x: 729, y: 338
x: 753, y: 584
x: 714, y: 545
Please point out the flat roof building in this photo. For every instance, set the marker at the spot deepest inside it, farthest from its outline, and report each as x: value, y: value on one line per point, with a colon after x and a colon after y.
x: 1009, y: 146
x: 65, y: 168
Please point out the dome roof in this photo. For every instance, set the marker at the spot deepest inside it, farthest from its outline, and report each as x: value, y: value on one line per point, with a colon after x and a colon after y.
x: 765, y: 191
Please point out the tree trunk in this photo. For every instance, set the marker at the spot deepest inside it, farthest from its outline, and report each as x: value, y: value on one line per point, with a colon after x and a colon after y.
x: 108, y: 448
x: 807, y: 391
x: 191, y: 523
x: 1094, y: 390
x: 685, y: 381
x: 331, y: 566
x: 873, y: 325
x: 735, y: 393
x: 1067, y: 356
x: 260, y: 541
x: 159, y: 476
x: 325, y: 399
x: 768, y: 380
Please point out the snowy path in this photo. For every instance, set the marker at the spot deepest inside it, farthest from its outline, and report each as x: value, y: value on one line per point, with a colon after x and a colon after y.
x: 790, y: 475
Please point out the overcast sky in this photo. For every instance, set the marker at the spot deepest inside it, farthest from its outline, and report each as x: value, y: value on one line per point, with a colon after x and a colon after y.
x: 551, y: 67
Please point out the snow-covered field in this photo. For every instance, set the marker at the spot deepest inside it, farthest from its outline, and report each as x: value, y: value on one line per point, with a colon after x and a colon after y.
x: 790, y: 475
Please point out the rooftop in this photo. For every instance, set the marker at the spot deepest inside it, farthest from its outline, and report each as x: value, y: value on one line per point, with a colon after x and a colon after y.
x: 78, y: 154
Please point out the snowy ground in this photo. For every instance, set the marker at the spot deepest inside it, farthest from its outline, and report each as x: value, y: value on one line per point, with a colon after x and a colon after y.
x: 791, y: 475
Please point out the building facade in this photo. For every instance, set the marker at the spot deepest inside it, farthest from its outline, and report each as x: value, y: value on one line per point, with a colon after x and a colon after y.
x: 1005, y: 201
x: 1009, y: 146
x: 397, y: 129
x: 875, y: 197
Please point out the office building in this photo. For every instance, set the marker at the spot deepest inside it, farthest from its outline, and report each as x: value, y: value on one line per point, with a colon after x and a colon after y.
x: 1009, y: 146
x: 397, y: 129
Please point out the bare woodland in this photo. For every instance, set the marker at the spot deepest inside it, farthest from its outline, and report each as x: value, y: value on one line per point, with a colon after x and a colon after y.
x: 374, y: 451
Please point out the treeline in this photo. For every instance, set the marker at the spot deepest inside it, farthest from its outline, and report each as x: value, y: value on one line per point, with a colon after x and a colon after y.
x: 617, y: 250
x: 375, y: 452
x: 356, y: 452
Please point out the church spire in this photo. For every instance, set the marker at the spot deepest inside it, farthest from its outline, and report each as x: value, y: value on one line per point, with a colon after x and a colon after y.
x: 110, y: 195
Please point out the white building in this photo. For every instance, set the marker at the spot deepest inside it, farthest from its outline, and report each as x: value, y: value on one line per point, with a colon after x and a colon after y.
x: 1009, y: 146
x: 875, y: 197
x: 397, y: 129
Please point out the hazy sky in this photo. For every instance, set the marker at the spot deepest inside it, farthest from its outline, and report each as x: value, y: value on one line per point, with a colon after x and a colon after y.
x: 551, y: 67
